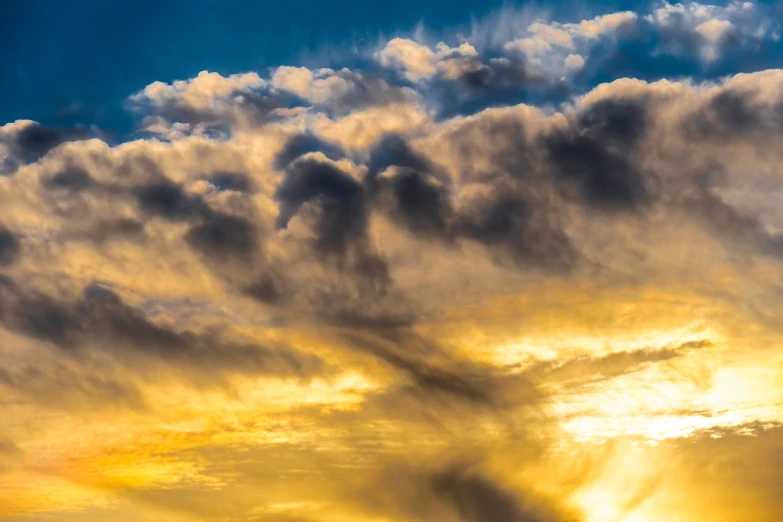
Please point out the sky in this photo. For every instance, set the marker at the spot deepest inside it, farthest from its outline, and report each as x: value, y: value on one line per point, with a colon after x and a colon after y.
x: 423, y: 262
x: 76, y: 61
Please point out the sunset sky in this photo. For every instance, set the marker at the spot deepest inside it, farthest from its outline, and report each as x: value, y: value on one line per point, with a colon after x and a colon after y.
x: 423, y: 262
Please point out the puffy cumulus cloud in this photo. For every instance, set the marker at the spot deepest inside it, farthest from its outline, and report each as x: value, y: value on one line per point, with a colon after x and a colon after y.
x: 537, y: 62
x: 706, y: 33
x: 603, y: 24
x: 26, y: 141
x: 359, y: 130
x: 461, y: 79
x: 550, y: 47
x: 574, y: 62
x: 451, y: 59
x: 709, y: 29
x: 566, y: 34
x: 542, y: 59
x: 200, y: 93
x: 414, y: 59
x: 339, y: 92
x: 210, y: 105
x: 394, y: 292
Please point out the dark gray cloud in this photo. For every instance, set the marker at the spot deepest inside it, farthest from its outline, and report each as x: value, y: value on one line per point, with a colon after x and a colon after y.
x: 597, y: 154
x: 340, y: 197
x: 460, y: 491
x: 170, y: 201
x: 393, y: 149
x: 475, y: 498
x: 732, y: 225
x: 234, y: 181
x: 268, y: 288
x: 106, y: 230
x: 421, y: 204
x: 605, y: 179
x: 303, y: 143
x: 431, y: 369
x: 73, y: 179
x: 363, y: 90
x: 592, y: 160
x: 524, y: 232
x: 9, y: 247
x: 33, y: 141
x: 619, y: 122
x: 228, y: 237
x: 503, y: 221
x: 221, y: 235
x: 213, y: 233
x: 732, y: 115
x: 100, y: 320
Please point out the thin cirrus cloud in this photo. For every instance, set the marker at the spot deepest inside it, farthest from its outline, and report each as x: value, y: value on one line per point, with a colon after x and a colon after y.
x: 528, y: 274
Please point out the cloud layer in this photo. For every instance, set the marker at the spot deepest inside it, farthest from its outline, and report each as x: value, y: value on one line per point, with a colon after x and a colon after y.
x: 535, y: 279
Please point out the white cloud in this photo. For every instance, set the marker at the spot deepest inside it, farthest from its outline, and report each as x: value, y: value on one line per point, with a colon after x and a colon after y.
x: 201, y: 92
x: 316, y: 88
x: 574, y: 62
x: 555, y: 48
x: 711, y: 24
x: 552, y: 34
x: 603, y: 24
x: 415, y: 60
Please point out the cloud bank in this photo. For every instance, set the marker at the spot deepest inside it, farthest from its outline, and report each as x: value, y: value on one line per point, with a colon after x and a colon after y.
x: 536, y: 279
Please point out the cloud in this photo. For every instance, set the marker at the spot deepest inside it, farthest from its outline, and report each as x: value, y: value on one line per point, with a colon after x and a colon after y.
x: 25, y: 141
x: 519, y: 276
x: 169, y: 201
x: 100, y: 320
x: 303, y: 143
x: 209, y: 105
x: 338, y: 92
x: 72, y: 388
x: 586, y: 368
x: 233, y: 181
x: 476, y: 499
x: 574, y: 62
x: 462, y: 491
x: 605, y: 179
x: 415, y: 60
x: 709, y: 30
x: 9, y: 247
x: 550, y: 47
x: 202, y: 98
x: 201, y: 91
x: 343, y: 216
x: 223, y: 235
x: 70, y: 179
